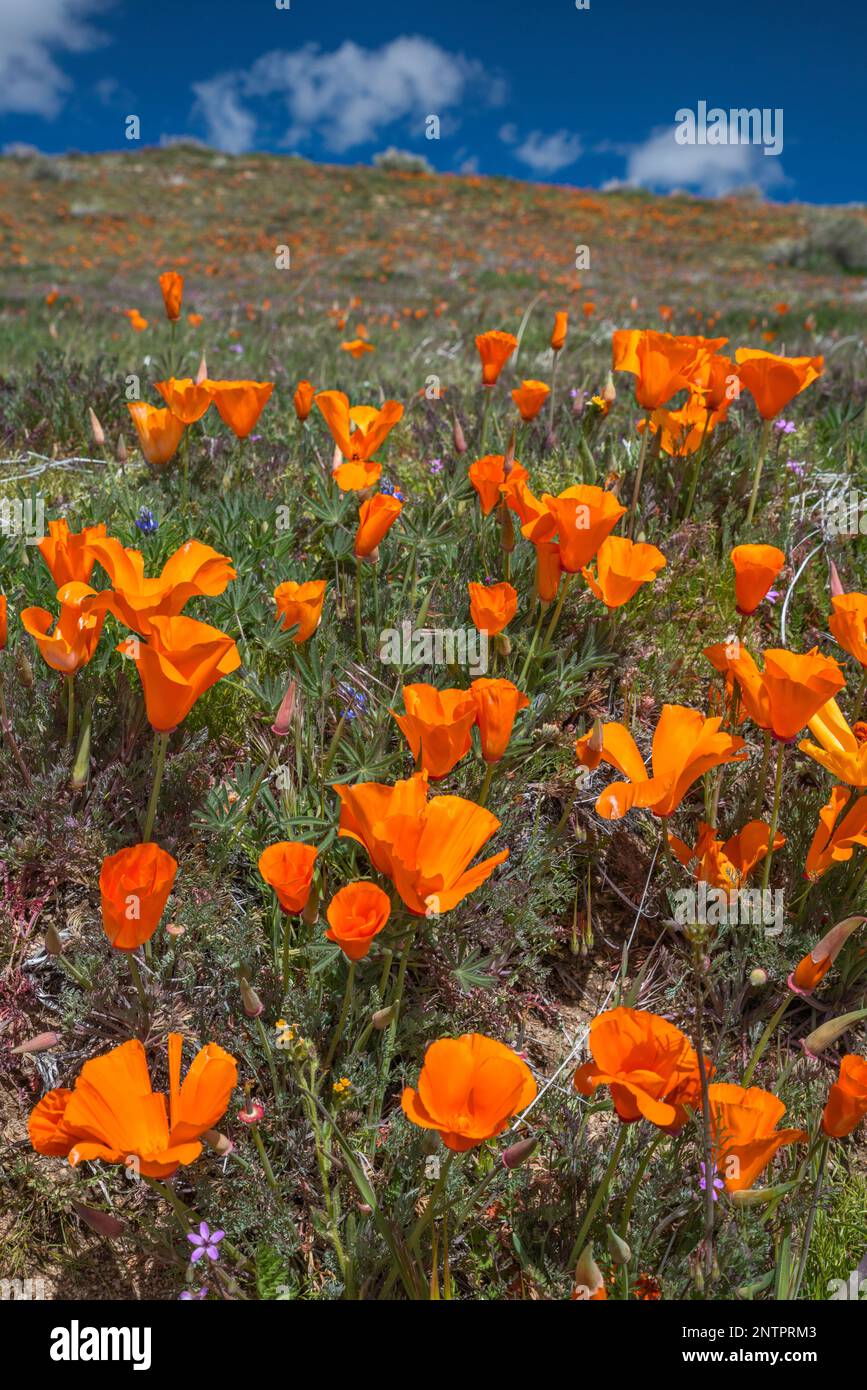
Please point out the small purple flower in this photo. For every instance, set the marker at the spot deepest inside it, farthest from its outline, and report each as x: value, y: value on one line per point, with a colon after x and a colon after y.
x: 146, y: 521
x: 205, y: 1242
x: 355, y: 700
x: 772, y: 595
x: 236, y: 347
x: 391, y: 489
x: 436, y: 465
x: 797, y: 467
x: 187, y: 1297
x: 718, y: 1183
x: 785, y: 426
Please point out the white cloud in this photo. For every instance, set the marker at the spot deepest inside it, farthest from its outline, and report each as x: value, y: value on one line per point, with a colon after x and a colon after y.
x: 508, y: 133
x: 31, y: 33
x: 712, y: 170
x: 345, y: 97
x: 545, y: 154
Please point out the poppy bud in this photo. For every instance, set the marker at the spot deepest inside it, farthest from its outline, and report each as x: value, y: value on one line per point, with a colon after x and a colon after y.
x: 253, y: 1005
x: 218, y: 1142
x: 509, y: 456
x: 588, y: 1275
x: 310, y: 911
x: 120, y: 453
x: 609, y: 393
x: 507, y: 531
x: 759, y: 1196
x: 202, y: 373
x: 827, y: 1033
x: 100, y: 1221
x: 382, y: 1018
x: 518, y: 1153
x: 41, y: 1043
x: 283, y: 722
x: 617, y: 1248
x: 96, y: 428
x: 502, y: 644
x: 758, y: 978
x: 24, y: 669
x: 53, y: 944
x: 458, y: 436
x: 836, y: 587
x: 81, y: 766
x: 578, y: 403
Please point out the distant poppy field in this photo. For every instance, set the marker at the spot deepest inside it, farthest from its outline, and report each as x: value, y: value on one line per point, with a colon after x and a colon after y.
x: 433, y: 697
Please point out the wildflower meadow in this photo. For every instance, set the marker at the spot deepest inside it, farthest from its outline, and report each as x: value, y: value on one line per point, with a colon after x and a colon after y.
x: 434, y: 741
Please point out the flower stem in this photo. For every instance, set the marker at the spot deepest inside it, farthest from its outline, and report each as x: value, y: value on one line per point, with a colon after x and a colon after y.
x: 358, y: 643
x: 70, y: 708
x: 482, y: 799
x: 529, y: 657
x: 859, y: 698
x: 344, y: 1014
x: 639, y: 473
x: 555, y: 617
x: 763, y: 776
x: 775, y: 816
x: 763, y: 1041
x: 161, y: 747
x: 601, y: 1193
x: 757, y: 475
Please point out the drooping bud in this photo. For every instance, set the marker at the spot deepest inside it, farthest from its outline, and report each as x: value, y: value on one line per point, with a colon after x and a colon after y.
x: 283, y: 722
x: 518, y: 1153
x: 760, y: 1196
x: 458, y: 437
x: 100, y: 1221
x: 96, y: 428
x: 41, y: 1043
x: 253, y: 1005
x: 827, y: 1033
x: 220, y: 1143
x: 836, y: 586
x: 53, y: 944
x: 383, y: 1017
x: 617, y: 1248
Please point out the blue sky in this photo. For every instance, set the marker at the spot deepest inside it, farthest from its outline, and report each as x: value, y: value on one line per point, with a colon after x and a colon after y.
x: 533, y: 89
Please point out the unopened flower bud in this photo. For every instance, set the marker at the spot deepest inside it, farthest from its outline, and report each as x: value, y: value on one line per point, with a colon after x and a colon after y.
x: 253, y: 1005
x: 836, y: 586
x: 758, y: 977
x: 518, y: 1153
x: 96, y: 428
x: 507, y: 531
x: 24, y: 669
x: 283, y: 722
x: 202, y: 373
x: 383, y: 1017
x: 53, y: 944
x: 310, y: 911
x: 502, y: 644
x: 609, y: 393
x: 827, y: 1033
x: 617, y: 1248
x: 120, y: 452
x: 102, y: 1222
x: 220, y: 1143
x: 41, y: 1043
x: 458, y: 436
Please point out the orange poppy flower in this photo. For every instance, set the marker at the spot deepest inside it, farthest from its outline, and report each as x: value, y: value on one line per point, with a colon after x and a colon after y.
x: 194, y: 569
x: 726, y: 864
x: 661, y: 364
x: 424, y: 847
x: 716, y: 384
x: 848, y: 623
x: 181, y: 660
x: 833, y: 843
x: 490, y: 480
x: 195, y: 319
x: 187, y: 399
x: 4, y: 631
x: 468, y: 1090
x: 357, y: 347
x: 159, y: 431
x: 529, y: 397
x: 841, y: 749
x: 745, y: 1137
x: 68, y: 556
x: 136, y: 321
x: 301, y: 604
x: 113, y: 1114
x: 580, y: 517
x: 497, y: 703
x: 357, y: 477
x: 622, y: 566
x: 371, y: 426
x: 756, y: 568
x: 648, y: 1065
x: 558, y: 335
x: 287, y: 867
x: 685, y: 746
x: 70, y: 643
x: 492, y: 606
x: 375, y: 517
x: 811, y: 971
x: 240, y: 403
x: 773, y: 381
x: 356, y: 914
x: 548, y: 570
x: 847, y: 1098
x: 437, y: 726
x: 303, y: 399
x: 172, y: 286
x: 134, y: 887
x: 495, y: 349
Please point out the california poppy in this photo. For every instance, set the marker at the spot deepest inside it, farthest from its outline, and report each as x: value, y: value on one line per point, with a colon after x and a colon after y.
x: 356, y: 914
x: 193, y: 570
x: 811, y: 971
x: 360, y: 430
x: 375, y: 517
x: 180, y: 661
x: 548, y: 570
x: 774, y: 381
x: 745, y: 1138
x: 788, y: 693
x: 187, y: 399
x: 172, y: 286
x: 756, y: 568
x: 847, y: 1098
x: 137, y: 322
x: 287, y: 867
x: 497, y: 703
x: 437, y: 726
x: 357, y: 347
x: 848, y: 623
x: 529, y: 397
x: 685, y: 746
x: 301, y: 604
x: 681, y: 432
x: 661, y: 364
x: 622, y: 566
x: 134, y: 887
x: 558, y: 334
x: 357, y: 477
x: 69, y: 556
x: 68, y: 644
x: 159, y: 431
x: 240, y: 403
x: 468, y: 1090
x: 492, y: 483
x: 112, y: 1114
x: 424, y: 847
x: 492, y: 606
x: 495, y: 349
x: 580, y: 518
x: 648, y: 1065
x: 726, y: 864
x: 834, y: 843
x: 841, y: 749
x: 303, y: 399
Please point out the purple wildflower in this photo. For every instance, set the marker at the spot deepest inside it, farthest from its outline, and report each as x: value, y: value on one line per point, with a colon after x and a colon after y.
x: 718, y: 1183
x: 205, y: 1242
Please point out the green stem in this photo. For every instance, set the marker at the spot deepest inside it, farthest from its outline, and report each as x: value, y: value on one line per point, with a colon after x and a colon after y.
x: 489, y: 391
x: 265, y: 1160
x: 70, y: 708
x: 775, y: 816
x: 757, y: 475
x: 482, y: 798
x: 358, y: 644
x: 639, y: 473
x: 139, y: 984
x: 814, y: 1207
x: 761, y: 1045
x: 161, y: 744
x: 599, y: 1197
x: 699, y: 459
x: 859, y: 698
x: 269, y: 1054
x: 555, y: 617
x: 344, y: 1014
x: 761, y: 786
x: 529, y: 657
x: 284, y: 974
